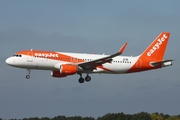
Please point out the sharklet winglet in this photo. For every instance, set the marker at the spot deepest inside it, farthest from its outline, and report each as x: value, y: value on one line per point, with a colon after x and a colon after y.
x: 123, y: 48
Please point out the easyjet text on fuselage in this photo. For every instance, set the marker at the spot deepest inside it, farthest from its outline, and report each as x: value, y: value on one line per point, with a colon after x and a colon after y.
x: 46, y: 55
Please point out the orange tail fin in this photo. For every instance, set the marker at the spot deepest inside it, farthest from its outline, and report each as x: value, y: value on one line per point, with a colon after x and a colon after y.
x: 157, y: 48
x: 152, y: 57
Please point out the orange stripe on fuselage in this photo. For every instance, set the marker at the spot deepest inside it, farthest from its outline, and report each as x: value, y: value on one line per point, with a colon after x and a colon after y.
x: 55, y: 56
x: 50, y: 55
x: 100, y: 66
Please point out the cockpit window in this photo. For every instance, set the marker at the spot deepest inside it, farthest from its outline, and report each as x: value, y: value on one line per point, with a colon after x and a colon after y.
x: 17, y: 55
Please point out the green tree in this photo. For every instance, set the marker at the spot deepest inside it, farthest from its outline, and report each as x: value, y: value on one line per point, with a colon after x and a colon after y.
x: 88, y: 118
x: 173, y: 118
x: 59, y: 118
x: 115, y: 116
x: 156, y: 117
x: 25, y: 119
x: 74, y: 118
x: 45, y: 118
x: 178, y: 116
x: 164, y: 116
x: 107, y: 116
x: 141, y: 116
x: 35, y: 118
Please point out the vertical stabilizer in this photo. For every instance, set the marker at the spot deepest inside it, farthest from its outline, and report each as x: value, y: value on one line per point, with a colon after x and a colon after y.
x: 156, y: 50
x: 152, y: 57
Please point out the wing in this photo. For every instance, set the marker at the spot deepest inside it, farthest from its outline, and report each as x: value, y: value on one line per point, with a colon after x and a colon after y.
x: 94, y: 63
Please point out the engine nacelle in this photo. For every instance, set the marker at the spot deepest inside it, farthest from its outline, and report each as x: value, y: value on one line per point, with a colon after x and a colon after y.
x: 65, y: 70
x: 57, y: 74
x: 68, y: 69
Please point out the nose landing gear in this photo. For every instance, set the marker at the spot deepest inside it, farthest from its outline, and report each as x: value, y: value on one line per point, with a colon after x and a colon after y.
x: 28, y: 76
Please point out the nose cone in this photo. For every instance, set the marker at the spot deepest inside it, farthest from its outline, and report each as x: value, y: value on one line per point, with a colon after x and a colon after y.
x: 9, y: 61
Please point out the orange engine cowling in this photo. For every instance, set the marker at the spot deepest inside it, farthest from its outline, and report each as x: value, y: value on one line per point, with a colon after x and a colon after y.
x: 57, y: 74
x: 68, y: 69
x: 65, y: 70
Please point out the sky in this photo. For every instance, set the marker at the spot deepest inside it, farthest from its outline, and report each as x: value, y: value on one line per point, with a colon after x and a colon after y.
x: 101, y: 26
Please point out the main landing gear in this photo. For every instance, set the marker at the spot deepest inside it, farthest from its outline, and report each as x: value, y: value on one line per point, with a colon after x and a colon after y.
x: 28, y: 76
x: 87, y: 78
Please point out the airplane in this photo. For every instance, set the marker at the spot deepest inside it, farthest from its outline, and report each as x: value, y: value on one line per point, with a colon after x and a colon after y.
x: 63, y: 64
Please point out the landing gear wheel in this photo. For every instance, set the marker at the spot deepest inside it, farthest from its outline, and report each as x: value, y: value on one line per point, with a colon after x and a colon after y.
x: 27, y: 76
x: 81, y: 80
x: 88, y: 78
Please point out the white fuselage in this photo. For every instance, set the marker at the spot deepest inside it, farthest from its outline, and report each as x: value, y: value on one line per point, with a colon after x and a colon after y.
x: 119, y: 64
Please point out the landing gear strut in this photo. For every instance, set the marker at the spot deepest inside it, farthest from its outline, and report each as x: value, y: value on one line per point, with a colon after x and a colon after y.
x: 81, y: 79
x: 28, y: 76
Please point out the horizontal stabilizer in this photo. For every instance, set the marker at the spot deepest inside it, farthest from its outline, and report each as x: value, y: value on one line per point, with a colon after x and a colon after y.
x: 164, y: 63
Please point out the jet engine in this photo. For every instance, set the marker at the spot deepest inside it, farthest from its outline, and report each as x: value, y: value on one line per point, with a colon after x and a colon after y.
x: 65, y: 70
x: 57, y: 74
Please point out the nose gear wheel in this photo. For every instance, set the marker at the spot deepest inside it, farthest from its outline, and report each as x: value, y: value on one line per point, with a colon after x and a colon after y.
x: 28, y: 76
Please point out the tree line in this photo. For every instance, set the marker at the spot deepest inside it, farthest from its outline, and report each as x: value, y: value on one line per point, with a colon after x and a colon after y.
x: 112, y: 116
